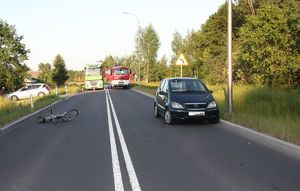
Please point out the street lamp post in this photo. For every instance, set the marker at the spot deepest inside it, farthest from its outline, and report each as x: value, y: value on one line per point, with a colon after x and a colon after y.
x: 139, y: 57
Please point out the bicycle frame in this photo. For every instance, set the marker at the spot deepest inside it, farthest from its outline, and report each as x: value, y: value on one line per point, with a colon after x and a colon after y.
x: 66, y: 116
x: 53, y: 117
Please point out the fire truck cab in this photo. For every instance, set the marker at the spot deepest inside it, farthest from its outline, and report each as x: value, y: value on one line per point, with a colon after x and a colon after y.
x: 119, y: 76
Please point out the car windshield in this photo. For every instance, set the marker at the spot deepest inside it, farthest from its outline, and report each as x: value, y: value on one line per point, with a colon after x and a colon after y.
x: 121, y: 71
x: 187, y: 85
x: 93, y: 71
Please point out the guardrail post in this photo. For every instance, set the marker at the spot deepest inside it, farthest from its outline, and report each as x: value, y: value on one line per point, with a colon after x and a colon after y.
x: 66, y: 89
x: 31, y: 102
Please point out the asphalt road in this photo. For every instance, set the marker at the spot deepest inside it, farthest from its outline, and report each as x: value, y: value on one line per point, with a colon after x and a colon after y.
x: 116, y: 144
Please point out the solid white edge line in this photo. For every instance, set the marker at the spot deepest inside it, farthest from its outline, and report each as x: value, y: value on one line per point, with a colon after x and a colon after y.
x: 118, y: 182
x: 284, y: 147
x: 130, y: 168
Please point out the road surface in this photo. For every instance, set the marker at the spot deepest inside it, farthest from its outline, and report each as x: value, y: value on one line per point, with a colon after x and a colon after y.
x: 116, y: 144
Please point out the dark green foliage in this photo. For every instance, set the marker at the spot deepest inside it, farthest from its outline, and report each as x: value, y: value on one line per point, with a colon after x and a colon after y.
x: 60, y: 73
x: 266, y: 44
x: 12, y: 54
x: 211, y: 50
x: 160, y: 70
x: 205, y: 50
x: 267, y: 53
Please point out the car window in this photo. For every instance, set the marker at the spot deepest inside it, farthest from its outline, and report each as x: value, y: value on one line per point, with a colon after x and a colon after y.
x: 121, y: 71
x: 25, y: 88
x: 187, y: 85
x: 161, y: 84
x: 32, y: 87
x: 165, y: 86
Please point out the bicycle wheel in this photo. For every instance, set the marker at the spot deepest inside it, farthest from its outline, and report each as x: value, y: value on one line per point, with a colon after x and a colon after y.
x: 70, y: 115
x: 40, y: 119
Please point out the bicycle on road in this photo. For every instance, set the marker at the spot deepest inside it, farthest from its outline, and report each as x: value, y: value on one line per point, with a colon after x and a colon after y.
x: 66, y: 116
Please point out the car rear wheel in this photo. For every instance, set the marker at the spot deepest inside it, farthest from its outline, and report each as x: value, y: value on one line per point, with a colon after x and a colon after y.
x: 168, y: 117
x: 14, y: 98
x: 156, y: 113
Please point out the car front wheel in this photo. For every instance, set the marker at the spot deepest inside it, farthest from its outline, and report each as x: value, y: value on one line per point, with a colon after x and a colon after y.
x: 169, y: 118
x: 214, y: 120
x: 156, y: 113
x: 14, y: 98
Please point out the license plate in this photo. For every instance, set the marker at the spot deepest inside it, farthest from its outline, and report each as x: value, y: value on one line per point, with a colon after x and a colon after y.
x: 93, y: 83
x: 196, y: 113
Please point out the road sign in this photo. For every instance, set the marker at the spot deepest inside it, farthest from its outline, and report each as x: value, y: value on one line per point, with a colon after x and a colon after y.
x: 181, y: 61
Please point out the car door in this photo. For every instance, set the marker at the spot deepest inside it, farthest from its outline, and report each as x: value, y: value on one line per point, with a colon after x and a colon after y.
x: 34, y: 90
x: 23, y: 92
x: 162, y: 95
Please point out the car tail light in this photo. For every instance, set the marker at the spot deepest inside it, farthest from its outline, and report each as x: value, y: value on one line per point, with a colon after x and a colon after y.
x: 47, y: 87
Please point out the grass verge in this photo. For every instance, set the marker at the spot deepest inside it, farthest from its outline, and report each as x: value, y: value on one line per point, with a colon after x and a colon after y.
x: 10, y: 111
x: 273, y: 111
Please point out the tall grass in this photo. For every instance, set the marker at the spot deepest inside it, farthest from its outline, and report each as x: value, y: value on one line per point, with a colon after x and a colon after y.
x: 149, y: 88
x: 274, y: 111
x: 12, y: 110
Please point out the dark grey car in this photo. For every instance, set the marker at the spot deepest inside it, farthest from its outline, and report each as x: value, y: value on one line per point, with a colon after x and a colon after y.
x: 185, y: 98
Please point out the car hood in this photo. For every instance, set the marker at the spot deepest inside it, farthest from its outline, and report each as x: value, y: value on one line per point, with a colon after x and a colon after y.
x: 191, y: 97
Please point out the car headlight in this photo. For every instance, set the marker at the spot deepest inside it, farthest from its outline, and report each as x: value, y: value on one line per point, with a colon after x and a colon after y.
x: 212, y: 104
x: 176, y: 105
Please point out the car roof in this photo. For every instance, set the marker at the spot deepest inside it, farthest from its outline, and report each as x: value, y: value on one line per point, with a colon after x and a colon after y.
x: 184, y: 78
x: 36, y: 84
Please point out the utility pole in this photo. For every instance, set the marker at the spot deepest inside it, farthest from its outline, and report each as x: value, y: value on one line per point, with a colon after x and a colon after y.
x: 229, y: 54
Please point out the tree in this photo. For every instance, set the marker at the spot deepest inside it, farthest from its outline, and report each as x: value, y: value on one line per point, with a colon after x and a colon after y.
x: 12, y: 54
x: 109, y: 61
x: 59, y: 74
x: 160, y: 70
x: 147, y: 45
x: 76, y: 76
x: 177, y: 46
x: 45, y: 73
x: 268, y: 53
x: 212, y: 47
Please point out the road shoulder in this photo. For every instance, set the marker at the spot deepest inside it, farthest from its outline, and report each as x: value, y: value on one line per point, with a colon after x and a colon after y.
x: 268, y: 141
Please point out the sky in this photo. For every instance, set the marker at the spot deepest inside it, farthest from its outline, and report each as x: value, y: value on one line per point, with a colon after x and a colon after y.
x: 86, y: 31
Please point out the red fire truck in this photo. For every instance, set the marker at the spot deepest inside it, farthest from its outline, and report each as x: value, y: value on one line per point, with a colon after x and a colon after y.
x: 119, y: 76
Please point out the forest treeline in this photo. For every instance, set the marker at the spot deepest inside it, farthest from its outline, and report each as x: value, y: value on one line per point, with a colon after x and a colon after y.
x: 266, y: 49
x: 266, y: 46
